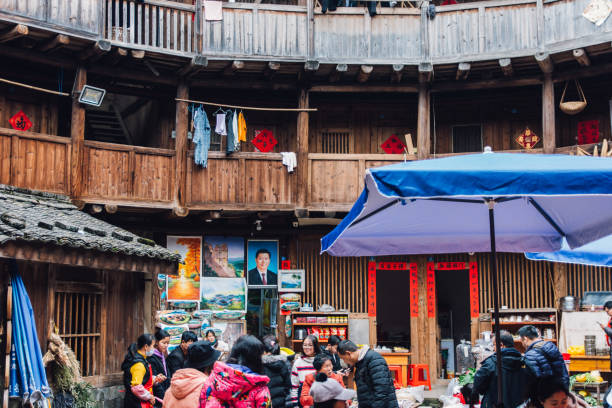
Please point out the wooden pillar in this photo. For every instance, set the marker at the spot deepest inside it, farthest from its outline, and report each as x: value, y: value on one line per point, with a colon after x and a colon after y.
x: 77, y: 134
x: 181, y: 126
x: 560, y: 284
x: 149, y: 312
x: 302, y: 150
x: 548, y: 114
x: 423, y: 122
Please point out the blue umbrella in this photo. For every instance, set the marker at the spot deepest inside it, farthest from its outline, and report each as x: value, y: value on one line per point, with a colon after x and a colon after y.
x: 596, y: 253
x: 478, y: 203
x: 28, y: 379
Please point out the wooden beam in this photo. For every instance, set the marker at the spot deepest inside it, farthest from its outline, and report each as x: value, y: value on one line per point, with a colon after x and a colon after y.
x: 364, y: 73
x: 137, y: 54
x: 153, y: 70
x: 59, y: 41
x: 118, y: 54
x: 302, y: 150
x: 20, y: 30
x: 485, y: 84
x: 545, y: 62
x: 181, y: 125
x: 134, y: 107
x: 506, y: 66
x: 77, y: 135
x: 28, y: 43
x: 124, y: 129
x: 195, y: 65
x: 548, y: 115
x: 582, y: 57
x: 233, y: 67
x: 336, y: 74
x: 94, y: 52
x: 426, y: 72
x: 560, y: 284
x: 396, y: 75
x: 271, y: 69
x: 463, y: 70
x: 365, y: 88
x: 423, y: 122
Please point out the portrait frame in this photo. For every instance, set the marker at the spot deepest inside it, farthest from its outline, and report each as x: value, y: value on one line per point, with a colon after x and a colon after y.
x: 253, y: 246
x: 291, y: 280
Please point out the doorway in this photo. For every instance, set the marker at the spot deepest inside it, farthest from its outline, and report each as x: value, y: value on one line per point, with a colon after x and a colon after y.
x: 453, y: 304
x: 393, y: 308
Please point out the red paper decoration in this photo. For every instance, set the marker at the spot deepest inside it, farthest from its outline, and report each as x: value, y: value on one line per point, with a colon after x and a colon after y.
x: 414, y: 291
x: 393, y: 266
x: 431, y: 290
x: 474, y: 307
x: 588, y: 131
x: 527, y: 139
x: 393, y: 145
x: 371, y: 288
x: 285, y: 264
x: 20, y: 121
x: 450, y: 266
x: 264, y: 140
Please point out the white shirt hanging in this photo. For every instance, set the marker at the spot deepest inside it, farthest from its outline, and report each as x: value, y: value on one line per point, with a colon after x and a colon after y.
x: 220, y: 126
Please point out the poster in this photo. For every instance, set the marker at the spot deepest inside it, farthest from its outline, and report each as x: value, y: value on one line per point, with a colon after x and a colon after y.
x: 220, y: 294
x: 262, y: 263
x: 186, y: 284
x: 223, y: 257
x: 289, y: 302
x: 291, y: 280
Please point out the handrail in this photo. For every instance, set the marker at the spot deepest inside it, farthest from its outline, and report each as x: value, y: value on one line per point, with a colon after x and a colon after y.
x: 128, y: 148
x: 34, y: 135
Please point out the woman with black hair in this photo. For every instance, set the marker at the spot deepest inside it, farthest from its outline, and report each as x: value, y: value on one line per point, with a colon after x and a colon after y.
x: 302, y: 367
x: 324, y: 365
x: 138, y: 377
x: 158, y: 364
x: 239, y: 383
x: 275, y: 367
x: 548, y: 392
x: 217, y: 344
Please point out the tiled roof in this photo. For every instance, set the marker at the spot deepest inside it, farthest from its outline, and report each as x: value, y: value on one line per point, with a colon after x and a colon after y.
x: 27, y: 215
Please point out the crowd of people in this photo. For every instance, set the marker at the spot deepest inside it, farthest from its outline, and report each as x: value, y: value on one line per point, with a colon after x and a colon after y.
x: 256, y: 375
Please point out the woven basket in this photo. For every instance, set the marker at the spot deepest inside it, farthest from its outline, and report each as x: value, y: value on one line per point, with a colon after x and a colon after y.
x: 573, y: 107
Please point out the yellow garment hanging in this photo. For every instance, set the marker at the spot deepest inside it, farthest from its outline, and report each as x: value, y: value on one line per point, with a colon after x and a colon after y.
x: 242, y: 129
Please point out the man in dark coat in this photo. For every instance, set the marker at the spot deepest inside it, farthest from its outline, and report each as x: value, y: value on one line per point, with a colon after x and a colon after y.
x: 542, y: 358
x: 260, y: 274
x: 275, y: 368
x: 513, y: 374
x: 374, y: 383
x: 176, y: 359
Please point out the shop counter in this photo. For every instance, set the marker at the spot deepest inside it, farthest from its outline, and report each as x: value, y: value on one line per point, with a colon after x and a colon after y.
x: 399, y: 359
x: 590, y: 363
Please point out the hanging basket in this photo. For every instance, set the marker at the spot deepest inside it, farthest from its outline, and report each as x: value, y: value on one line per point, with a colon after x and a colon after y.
x: 573, y: 107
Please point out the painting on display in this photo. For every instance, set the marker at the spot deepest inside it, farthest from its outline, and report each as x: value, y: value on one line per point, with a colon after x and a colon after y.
x: 262, y: 263
x: 228, y: 331
x: 220, y: 294
x: 291, y: 280
x: 185, y: 285
x: 223, y: 257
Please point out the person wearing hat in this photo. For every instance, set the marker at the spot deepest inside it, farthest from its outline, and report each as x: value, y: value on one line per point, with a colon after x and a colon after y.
x: 328, y: 393
x: 186, y: 384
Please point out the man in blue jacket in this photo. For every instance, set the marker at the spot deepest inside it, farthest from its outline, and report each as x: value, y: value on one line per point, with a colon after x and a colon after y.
x: 542, y: 357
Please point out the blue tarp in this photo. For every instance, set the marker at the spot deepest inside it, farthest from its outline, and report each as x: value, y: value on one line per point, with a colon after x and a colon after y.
x: 440, y: 205
x: 597, y: 253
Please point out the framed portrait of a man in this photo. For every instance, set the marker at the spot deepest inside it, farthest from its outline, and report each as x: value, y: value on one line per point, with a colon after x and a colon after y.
x: 262, y: 263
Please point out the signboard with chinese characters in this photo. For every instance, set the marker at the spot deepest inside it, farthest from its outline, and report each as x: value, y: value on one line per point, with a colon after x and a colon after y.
x: 414, y: 291
x: 474, y: 307
x: 371, y: 288
x: 527, y: 139
x: 431, y: 290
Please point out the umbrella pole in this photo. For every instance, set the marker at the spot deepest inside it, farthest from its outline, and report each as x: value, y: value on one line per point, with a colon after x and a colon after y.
x: 493, y: 268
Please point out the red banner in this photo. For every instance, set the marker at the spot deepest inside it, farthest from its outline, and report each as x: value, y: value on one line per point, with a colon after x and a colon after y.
x: 474, y: 305
x: 371, y: 288
x: 392, y: 266
x: 431, y: 290
x: 588, y: 131
x: 414, y: 291
x: 450, y: 266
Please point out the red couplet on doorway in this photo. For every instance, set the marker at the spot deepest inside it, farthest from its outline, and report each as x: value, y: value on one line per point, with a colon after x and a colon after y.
x: 431, y: 290
x: 414, y: 290
x: 474, y: 307
x: 372, y: 289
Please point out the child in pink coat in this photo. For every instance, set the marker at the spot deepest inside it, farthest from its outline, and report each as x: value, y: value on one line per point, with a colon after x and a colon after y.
x: 237, y: 383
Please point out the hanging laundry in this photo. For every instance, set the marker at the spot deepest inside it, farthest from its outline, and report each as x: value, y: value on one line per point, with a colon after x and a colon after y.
x: 289, y: 160
x: 232, y: 137
x: 220, y: 128
x: 235, y: 130
x: 201, y: 137
x: 242, y: 128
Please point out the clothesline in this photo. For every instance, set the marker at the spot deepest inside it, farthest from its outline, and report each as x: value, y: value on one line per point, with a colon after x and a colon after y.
x: 34, y: 87
x: 248, y: 107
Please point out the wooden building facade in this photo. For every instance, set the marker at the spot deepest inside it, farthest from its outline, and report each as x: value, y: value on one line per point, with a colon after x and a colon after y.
x: 474, y: 75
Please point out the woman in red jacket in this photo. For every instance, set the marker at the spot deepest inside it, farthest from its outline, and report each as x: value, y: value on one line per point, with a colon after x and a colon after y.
x: 323, y: 364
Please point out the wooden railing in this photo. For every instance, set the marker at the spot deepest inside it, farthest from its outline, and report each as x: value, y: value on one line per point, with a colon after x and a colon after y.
x: 120, y: 173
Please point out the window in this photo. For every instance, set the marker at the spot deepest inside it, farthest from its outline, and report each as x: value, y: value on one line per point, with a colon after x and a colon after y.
x: 467, y: 138
x: 77, y: 316
x: 335, y: 142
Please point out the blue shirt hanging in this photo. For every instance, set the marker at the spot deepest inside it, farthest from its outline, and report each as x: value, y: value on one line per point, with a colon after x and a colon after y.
x: 201, y: 137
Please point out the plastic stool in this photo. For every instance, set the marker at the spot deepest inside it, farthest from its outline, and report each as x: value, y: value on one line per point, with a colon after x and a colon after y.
x: 418, y: 374
x: 397, y: 375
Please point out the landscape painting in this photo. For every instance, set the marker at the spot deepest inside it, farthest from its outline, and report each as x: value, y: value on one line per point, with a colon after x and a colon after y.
x: 224, y: 294
x: 185, y: 285
x: 223, y: 257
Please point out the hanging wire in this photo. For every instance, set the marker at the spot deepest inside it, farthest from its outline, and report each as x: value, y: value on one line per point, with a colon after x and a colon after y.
x: 33, y: 87
x: 249, y: 107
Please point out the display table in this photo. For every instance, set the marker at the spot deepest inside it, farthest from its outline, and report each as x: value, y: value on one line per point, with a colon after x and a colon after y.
x: 597, y: 386
x: 399, y: 359
x: 590, y: 363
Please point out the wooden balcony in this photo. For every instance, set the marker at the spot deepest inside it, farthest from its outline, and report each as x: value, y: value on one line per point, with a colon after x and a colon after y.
x: 486, y: 30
